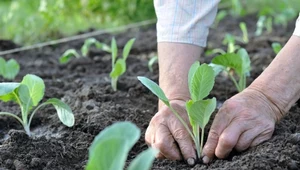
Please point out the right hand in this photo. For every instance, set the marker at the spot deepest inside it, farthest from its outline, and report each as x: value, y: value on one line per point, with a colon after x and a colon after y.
x: 167, y: 134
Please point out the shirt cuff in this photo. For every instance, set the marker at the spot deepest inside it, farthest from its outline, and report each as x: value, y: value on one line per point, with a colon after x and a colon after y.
x: 185, y: 21
x: 297, y: 28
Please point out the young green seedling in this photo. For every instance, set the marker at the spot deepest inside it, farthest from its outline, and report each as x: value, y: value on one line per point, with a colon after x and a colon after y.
x: 9, y: 69
x: 151, y: 62
x: 276, y: 47
x: 244, y: 30
x: 92, y: 41
x: 239, y: 62
x: 200, y: 81
x: 119, y: 64
x: 110, y: 148
x: 67, y: 55
x: 28, y: 94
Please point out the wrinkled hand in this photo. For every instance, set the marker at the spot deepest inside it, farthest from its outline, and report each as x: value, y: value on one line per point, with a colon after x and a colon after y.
x: 166, y: 133
x: 247, y: 119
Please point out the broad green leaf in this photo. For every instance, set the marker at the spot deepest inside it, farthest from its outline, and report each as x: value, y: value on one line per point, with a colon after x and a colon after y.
x: 276, y: 47
x: 2, y: 66
x: 191, y: 73
x: 217, y: 68
x: 230, y: 60
x: 64, y: 112
x: 202, y: 82
x: 200, y: 111
x: 114, y: 50
x: 12, y: 68
x: 144, y: 160
x: 26, y: 99
x: 35, y: 86
x: 110, y: 148
x: 127, y: 48
x: 155, y: 89
x: 246, y: 63
x: 67, y: 55
x: 119, y: 68
x: 7, y: 90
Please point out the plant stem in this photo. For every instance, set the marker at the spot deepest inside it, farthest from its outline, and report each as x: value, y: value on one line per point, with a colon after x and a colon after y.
x: 202, y: 138
x: 196, y: 133
x: 12, y: 115
x: 114, y: 83
x: 183, y: 123
x: 234, y: 81
x: 27, y: 130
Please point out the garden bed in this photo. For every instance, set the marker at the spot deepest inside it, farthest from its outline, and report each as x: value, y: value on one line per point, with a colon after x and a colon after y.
x: 85, y: 85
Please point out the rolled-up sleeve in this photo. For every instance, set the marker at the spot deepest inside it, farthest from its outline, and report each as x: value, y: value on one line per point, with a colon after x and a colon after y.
x: 185, y: 21
x: 297, y: 28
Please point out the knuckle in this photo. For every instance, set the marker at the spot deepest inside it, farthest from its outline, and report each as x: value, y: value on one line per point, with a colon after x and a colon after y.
x: 160, y: 145
x: 226, y: 142
x: 213, y: 135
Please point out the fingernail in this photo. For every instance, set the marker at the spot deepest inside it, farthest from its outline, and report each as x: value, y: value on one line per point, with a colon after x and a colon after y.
x: 190, y: 161
x: 205, y: 159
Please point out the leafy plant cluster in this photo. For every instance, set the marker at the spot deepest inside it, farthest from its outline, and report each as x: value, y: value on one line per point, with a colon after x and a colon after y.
x: 118, y: 63
x: 200, y: 81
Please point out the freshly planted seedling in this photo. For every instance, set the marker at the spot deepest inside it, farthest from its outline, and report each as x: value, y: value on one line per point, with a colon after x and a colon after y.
x: 200, y: 81
x: 119, y: 64
x: 110, y: 148
x: 151, y: 62
x: 276, y: 47
x: 67, y: 55
x: 9, y: 69
x: 238, y: 63
x: 28, y: 94
x: 92, y: 41
x: 244, y: 30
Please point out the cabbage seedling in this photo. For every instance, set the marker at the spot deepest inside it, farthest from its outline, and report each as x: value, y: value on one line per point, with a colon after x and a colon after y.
x: 119, y: 64
x: 200, y: 82
x: 110, y: 148
x: 239, y: 62
x: 9, y: 69
x: 92, y: 41
x: 276, y: 47
x: 151, y: 62
x: 28, y: 94
x: 67, y: 55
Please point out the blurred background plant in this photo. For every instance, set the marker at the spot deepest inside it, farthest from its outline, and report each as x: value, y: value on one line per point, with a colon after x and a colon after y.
x: 32, y: 21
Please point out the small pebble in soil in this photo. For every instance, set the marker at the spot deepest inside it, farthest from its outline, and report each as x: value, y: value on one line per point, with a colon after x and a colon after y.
x: 19, y: 165
x: 295, y: 138
x: 35, y: 162
x: 293, y: 165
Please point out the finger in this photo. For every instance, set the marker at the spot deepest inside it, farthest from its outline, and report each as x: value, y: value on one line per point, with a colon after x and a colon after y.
x: 228, y: 139
x: 166, y: 144
x: 160, y: 156
x: 260, y: 139
x: 186, y: 145
x: 217, y: 127
x: 246, y: 139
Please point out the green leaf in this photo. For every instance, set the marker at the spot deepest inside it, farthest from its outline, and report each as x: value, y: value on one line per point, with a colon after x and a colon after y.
x: 127, y: 48
x: 26, y: 99
x: 2, y: 66
x: 217, y: 68
x: 194, y: 67
x: 243, y: 27
x: 67, y: 55
x: 246, y: 63
x: 276, y: 47
x: 154, y: 88
x: 114, y: 50
x: 230, y: 60
x: 103, y: 47
x: 86, y: 46
x: 6, y: 91
x: 110, y: 148
x: 200, y: 111
x: 35, y: 86
x: 144, y: 160
x: 64, y: 112
x: 119, y: 68
x: 202, y: 82
x: 12, y: 68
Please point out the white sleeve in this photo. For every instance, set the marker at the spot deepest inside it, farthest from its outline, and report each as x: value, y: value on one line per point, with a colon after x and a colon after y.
x: 297, y: 28
x: 185, y: 21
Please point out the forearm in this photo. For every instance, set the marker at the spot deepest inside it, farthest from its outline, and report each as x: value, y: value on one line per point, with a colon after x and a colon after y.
x: 280, y: 81
x: 175, y: 60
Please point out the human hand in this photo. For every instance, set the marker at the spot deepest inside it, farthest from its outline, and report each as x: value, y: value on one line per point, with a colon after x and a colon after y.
x: 168, y: 135
x: 245, y: 120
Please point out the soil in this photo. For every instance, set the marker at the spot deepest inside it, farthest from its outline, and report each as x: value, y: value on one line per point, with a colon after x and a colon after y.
x: 85, y: 85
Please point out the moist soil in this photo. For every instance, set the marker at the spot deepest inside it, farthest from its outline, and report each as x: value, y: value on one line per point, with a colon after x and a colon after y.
x: 85, y: 85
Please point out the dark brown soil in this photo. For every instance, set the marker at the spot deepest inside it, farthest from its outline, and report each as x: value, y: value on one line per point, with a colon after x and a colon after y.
x: 84, y: 84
